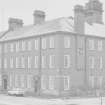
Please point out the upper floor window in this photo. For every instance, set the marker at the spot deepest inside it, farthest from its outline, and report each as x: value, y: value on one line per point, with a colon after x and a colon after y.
x: 51, y: 61
x: 51, y: 82
x: 100, y: 45
x: 5, y: 62
x: 91, y: 62
x: 67, y: 42
x: 36, y: 44
x: 17, y: 46
x: 67, y: 61
x: 43, y: 43
x: 36, y: 61
x: 23, y: 45
x: 29, y: 45
x: 101, y: 62
x: 91, y: 44
x: 11, y: 47
x: 11, y: 62
x: 17, y: 62
x: 51, y: 40
x: 66, y: 82
x: 23, y: 62
x: 0, y: 62
x: 0, y: 48
x: 5, y: 48
x: 29, y: 61
x: 43, y: 61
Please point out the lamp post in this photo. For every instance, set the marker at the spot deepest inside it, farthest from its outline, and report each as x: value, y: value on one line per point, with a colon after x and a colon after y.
x: 101, y: 98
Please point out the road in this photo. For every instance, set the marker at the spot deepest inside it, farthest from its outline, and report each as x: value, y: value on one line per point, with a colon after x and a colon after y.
x: 12, y: 100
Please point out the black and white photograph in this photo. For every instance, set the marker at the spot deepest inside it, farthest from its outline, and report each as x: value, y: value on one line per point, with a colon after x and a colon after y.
x: 52, y: 52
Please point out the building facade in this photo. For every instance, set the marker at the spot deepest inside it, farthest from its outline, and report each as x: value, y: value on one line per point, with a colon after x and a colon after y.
x: 53, y: 57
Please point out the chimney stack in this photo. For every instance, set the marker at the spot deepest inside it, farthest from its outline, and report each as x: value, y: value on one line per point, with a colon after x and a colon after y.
x: 39, y: 17
x: 15, y: 23
x: 79, y: 19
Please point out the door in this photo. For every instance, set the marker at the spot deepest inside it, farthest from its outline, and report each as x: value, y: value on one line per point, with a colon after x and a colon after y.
x: 36, y: 84
x: 5, y: 84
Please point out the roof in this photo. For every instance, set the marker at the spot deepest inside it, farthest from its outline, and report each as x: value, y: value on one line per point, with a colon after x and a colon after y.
x: 65, y: 24
x: 60, y: 24
x: 95, y: 29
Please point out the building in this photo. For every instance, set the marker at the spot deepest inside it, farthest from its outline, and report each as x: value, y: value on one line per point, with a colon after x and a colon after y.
x: 59, y: 57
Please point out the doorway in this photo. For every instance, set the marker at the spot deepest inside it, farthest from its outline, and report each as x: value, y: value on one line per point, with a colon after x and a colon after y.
x: 5, y: 84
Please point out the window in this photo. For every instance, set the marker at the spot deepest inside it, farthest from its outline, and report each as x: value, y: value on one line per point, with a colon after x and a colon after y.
x: 43, y: 61
x: 67, y: 41
x: 36, y: 44
x: 17, y: 62
x: 51, y: 39
x: 66, y: 82
x: 0, y: 48
x: 36, y: 62
x: 51, y: 82
x: 5, y: 47
x: 100, y: 45
x: 43, y: 83
x: 91, y: 81
x: 52, y: 61
x: 29, y: 81
x: 67, y: 60
x: 10, y: 81
x: 29, y: 45
x: 11, y: 62
x: 17, y: 46
x: 43, y: 43
x: 0, y: 80
x: 99, y: 81
x: 22, y: 81
x: 101, y: 62
x: 17, y: 81
x: 5, y: 63
x: 91, y: 62
x: 23, y: 45
x: 11, y: 47
x: 91, y: 44
x: 23, y: 62
x: 0, y: 63
x: 29, y: 62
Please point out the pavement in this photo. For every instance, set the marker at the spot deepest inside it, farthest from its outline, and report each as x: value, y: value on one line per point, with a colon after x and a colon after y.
x: 12, y: 100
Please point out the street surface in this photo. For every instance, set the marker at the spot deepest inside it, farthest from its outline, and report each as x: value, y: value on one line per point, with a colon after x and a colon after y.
x: 12, y: 100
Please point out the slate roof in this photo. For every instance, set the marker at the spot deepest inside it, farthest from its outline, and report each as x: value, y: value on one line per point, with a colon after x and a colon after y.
x: 95, y: 29
x: 60, y: 24
x: 65, y: 24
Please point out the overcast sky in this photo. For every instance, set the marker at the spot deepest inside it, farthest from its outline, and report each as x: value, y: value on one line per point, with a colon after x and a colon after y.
x: 23, y: 9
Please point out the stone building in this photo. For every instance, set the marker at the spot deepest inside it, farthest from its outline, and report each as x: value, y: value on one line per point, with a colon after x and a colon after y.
x: 58, y: 57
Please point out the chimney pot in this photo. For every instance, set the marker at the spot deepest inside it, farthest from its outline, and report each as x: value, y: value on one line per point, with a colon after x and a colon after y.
x: 15, y: 23
x: 39, y: 16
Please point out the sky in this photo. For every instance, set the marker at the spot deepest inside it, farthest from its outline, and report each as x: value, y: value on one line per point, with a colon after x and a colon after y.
x: 23, y: 9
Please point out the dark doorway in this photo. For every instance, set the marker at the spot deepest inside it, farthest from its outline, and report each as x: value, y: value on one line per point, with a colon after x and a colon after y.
x: 5, y: 84
x: 36, y: 84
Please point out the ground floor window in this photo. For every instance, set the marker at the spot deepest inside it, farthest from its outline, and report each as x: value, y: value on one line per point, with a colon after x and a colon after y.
x: 66, y: 82
x: 43, y: 82
x: 29, y: 81
x: 51, y: 82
